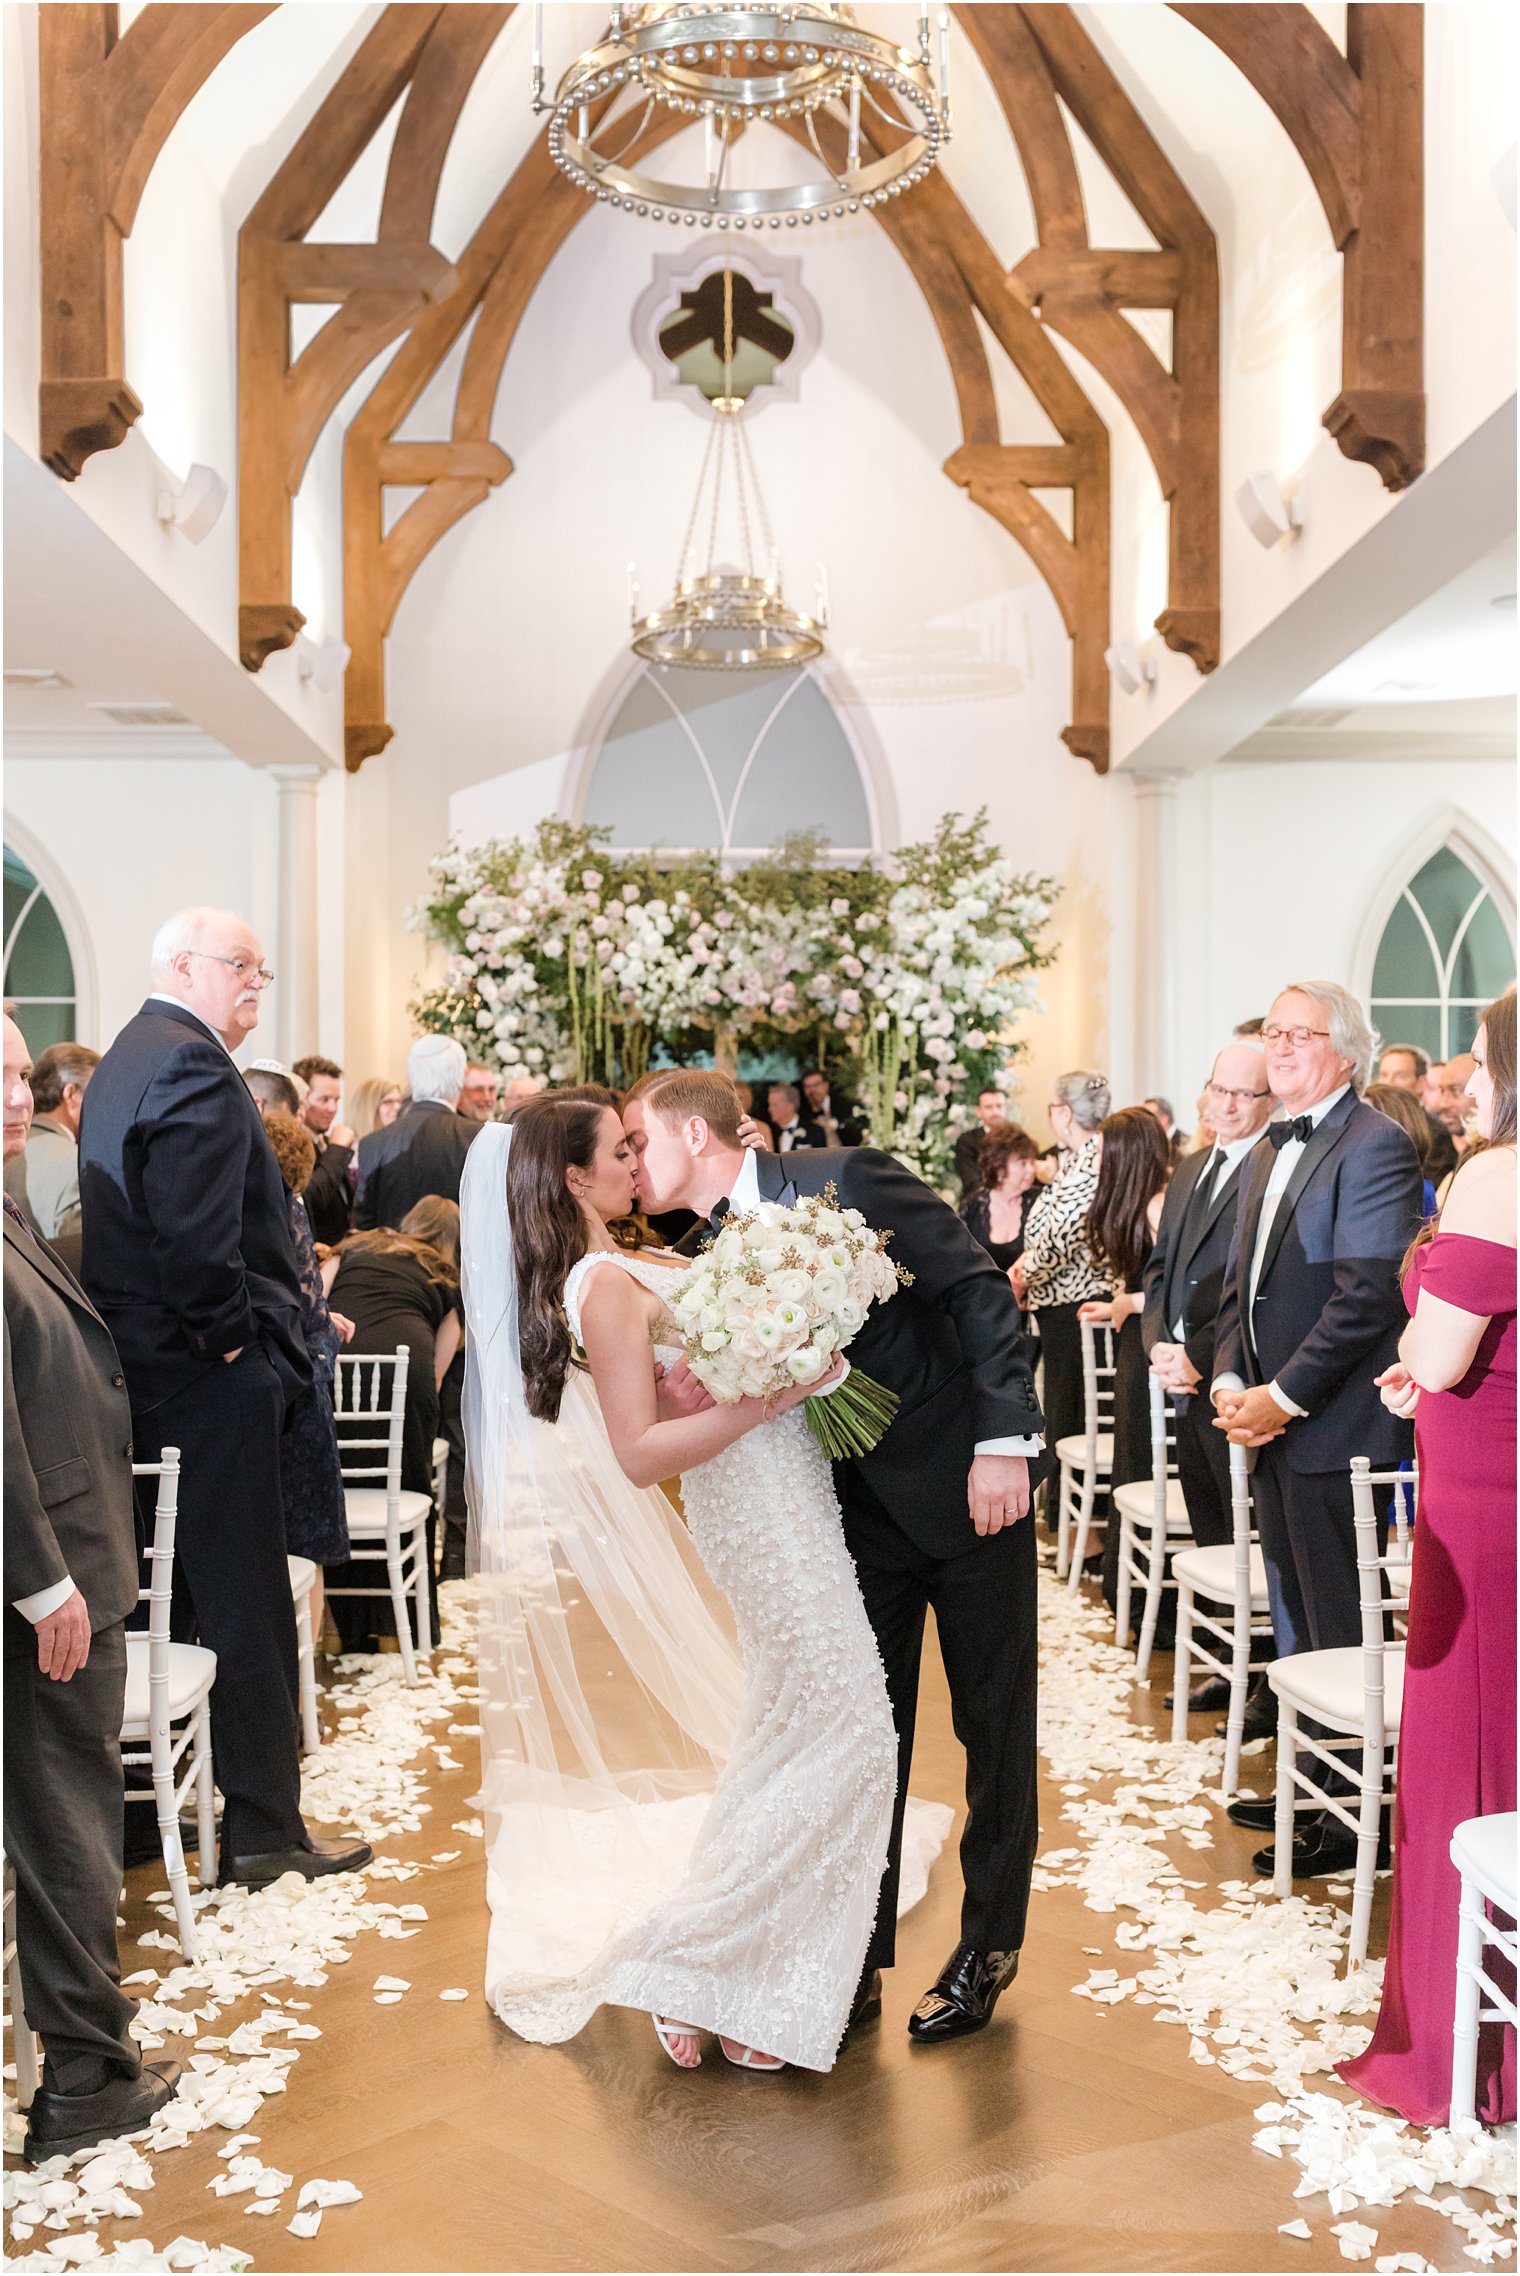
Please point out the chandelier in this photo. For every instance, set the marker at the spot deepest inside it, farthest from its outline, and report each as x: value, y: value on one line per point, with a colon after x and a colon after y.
x: 873, y: 113
x: 728, y: 615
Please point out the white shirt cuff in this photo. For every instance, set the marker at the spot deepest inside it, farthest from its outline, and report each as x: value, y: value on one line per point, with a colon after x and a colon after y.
x: 1225, y: 1383
x: 1028, y: 1447
x: 46, y: 1600
x: 1281, y: 1396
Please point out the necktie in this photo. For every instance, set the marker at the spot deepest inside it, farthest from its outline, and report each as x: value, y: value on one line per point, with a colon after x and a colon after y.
x: 1300, y: 1127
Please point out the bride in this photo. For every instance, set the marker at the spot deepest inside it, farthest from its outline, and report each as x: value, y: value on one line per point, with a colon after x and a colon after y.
x: 706, y: 1841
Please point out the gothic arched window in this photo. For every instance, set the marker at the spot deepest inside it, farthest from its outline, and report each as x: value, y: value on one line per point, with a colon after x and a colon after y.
x: 728, y: 762
x: 1444, y: 954
x: 39, y: 970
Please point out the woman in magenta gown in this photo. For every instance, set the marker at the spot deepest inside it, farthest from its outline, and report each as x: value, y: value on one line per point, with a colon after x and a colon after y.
x: 1457, y: 1740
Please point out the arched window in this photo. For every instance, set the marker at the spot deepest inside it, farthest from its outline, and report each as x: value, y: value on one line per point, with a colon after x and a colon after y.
x: 39, y: 970
x: 728, y: 762
x: 1444, y: 954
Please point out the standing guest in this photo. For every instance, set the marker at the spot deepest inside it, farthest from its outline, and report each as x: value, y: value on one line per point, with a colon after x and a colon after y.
x: 1309, y: 1315
x: 837, y: 1120
x: 1404, y: 1065
x: 788, y: 1128
x: 44, y: 1181
x: 399, y: 1287
x: 377, y: 1102
x: 1452, y: 1102
x: 1058, y: 1273
x: 1204, y: 1133
x: 1177, y: 1140
x: 1121, y: 1229
x: 71, y: 1580
x: 270, y: 1088
x: 188, y: 1257
x: 329, y: 1194
x: 991, y: 1109
x: 1246, y: 1028
x: 311, y: 1481
x: 995, y: 1213
x: 477, y: 1098
x: 1403, y: 1107
x: 1455, y: 1373
x: 521, y: 1088
x: 423, y: 1151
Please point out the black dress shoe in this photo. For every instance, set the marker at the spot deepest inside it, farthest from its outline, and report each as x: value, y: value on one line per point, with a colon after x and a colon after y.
x: 1261, y: 1717
x: 867, y: 1999
x: 317, y: 1858
x: 1322, y: 1849
x: 59, y: 2124
x: 963, y: 1995
x: 1214, y: 1693
x: 141, y: 1845
x: 1254, y: 1817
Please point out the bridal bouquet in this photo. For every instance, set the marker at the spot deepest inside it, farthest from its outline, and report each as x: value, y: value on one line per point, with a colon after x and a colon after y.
x: 774, y: 1296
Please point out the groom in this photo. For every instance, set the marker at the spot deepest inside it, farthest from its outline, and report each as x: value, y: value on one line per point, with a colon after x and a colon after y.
x: 936, y: 1514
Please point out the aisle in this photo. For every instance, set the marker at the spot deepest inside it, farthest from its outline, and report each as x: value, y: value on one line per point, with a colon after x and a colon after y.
x: 1074, y: 2134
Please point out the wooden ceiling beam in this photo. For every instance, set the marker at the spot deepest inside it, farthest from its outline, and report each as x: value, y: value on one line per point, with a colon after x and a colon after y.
x: 107, y: 102
x: 1357, y: 121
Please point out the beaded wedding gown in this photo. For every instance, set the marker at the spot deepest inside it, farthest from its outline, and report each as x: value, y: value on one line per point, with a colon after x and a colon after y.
x: 744, y: 1903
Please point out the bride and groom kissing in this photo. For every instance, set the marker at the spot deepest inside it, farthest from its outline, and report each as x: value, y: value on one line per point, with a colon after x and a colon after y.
x: 718, y: 1831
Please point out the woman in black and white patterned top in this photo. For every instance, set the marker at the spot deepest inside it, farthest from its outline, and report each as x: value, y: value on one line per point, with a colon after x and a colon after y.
x: 1058, y: 1271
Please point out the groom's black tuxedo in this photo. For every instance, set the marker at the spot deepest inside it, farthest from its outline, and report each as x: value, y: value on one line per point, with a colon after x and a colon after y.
x: 952, y: 1349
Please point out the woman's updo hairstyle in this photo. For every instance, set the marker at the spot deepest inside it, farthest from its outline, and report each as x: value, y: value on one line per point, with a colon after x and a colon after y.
x: 1087, y: 1094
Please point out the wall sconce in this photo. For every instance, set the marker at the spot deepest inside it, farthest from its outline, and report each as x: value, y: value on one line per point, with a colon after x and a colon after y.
x: 195, y: 509
x: 322, y: 662
x: 1268, y: 515
x: 1128, y: 669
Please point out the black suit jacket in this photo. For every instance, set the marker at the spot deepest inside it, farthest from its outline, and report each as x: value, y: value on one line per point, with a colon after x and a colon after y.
x: 187, y: 1247
x: 807, y: 1134
x: 1328, y: 1312
x: 950, y: 1345
x: 68, y: 1445
x: 968, y: 1164
x: 1184, y: 1274
x: 328, y: 1198
x: 421, y: 1153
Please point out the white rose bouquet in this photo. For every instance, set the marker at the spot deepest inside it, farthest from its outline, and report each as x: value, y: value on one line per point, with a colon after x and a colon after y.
x: 772, y: 1299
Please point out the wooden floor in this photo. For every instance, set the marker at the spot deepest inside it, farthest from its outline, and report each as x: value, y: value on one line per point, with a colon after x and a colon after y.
x: 1067, y: 2136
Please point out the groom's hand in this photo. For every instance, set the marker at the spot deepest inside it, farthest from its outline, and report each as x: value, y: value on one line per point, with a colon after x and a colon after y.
x: 998, y: 1491
x: 678, y: 1393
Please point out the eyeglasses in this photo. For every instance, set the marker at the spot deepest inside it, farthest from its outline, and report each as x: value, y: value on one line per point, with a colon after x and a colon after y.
x: 237, y: 964
x: 1237, y: 1098
x: 1297, y: 1036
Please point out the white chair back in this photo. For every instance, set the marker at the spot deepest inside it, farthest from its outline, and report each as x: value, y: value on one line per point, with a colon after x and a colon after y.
x: 369, y: 1391
x: 159, y: 1593
x: 1097, y: 1385
x: 1163, y: 1449
x: 1382, y: 1573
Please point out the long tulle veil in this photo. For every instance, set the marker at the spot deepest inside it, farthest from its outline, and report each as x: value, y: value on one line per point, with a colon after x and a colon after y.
x: 593, y: 1784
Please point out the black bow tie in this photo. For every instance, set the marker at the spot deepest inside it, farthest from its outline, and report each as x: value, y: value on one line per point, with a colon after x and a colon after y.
x: 1281, y: 1133
x: 720, y: 1211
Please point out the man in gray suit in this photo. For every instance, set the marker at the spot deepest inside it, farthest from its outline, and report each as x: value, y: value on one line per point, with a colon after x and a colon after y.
x: 44, y: 1179
x: 70, y: 1581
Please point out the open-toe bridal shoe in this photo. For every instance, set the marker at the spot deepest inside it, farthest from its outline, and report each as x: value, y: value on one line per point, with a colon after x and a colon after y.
x: 667, y: 2033
x: 749, y: 2058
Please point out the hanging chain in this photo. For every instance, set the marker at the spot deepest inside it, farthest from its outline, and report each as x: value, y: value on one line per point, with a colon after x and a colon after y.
x: 728, y: 332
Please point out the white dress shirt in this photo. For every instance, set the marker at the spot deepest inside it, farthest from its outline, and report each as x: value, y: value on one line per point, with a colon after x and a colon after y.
x: 1285, y: 1163
x: 745, y: 1194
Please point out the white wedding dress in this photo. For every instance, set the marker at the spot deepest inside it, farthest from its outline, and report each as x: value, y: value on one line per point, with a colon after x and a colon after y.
x: 743, y: 1905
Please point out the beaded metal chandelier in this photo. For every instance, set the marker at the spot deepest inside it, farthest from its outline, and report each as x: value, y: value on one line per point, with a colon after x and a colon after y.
x: 728, y: 616
x: 729, y: 67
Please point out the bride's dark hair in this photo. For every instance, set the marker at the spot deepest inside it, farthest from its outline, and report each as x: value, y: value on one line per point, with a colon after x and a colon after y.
x: 555, y: 1132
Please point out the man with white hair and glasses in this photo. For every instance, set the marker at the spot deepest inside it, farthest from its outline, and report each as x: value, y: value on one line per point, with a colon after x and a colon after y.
x: 189, y: 1261
x: 422, y: 1152
x: 1309, y: 1317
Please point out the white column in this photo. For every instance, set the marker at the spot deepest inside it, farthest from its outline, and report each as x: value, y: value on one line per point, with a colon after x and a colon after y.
x: 295, y: 953
x: 1157, y: 935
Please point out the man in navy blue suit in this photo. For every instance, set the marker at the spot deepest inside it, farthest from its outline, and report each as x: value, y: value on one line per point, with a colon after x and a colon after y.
x: 189, y: 1260
x: 1310, y: 1316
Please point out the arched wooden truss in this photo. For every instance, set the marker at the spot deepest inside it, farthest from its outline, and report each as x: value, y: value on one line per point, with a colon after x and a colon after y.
x: 1355, y: 119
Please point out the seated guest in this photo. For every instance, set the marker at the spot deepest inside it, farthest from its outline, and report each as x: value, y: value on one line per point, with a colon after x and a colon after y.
x: 188, y: 1257
x: 1309, y: 1316
x: 329, y: 1194
x: 311, y: 1482
x: 377, y: 1102
x: 44, y: 1180
x: 836, y: 1119
x: 1204, y: 1133
x: 1121, y: 1228
x: 994, y: 1214
x: 1246, y: 1028
x: 1456, y: 1372
x: 1401, y: 1106
x: 71, y: 1580
x: 422, y: 1154
x: 991, y: 1109
x: 398, y: 1287
x: 1058, y: 1273
x: 478, y: 1096
x: 1405, y: 1066
x: 521, y: 1087
x: 788, y: 1128
x: 1183, y: 1279
x: 271, y: 1088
